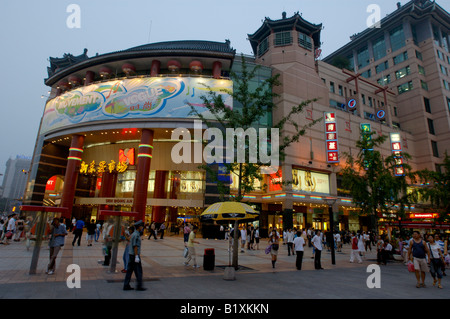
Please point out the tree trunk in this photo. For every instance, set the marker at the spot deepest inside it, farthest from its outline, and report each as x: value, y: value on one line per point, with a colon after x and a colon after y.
x: 235, y: 263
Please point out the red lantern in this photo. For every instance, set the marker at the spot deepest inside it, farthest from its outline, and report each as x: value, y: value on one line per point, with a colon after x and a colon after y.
x: 196, y: 66
x: 74, y: 80
x: 173, y: 65
x: 128, y: 68
x: 105, y: 72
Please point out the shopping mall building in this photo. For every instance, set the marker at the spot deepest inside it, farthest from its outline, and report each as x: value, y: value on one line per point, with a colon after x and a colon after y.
x: 105, y: 138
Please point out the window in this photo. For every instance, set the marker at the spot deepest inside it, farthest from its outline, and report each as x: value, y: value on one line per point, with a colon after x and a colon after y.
x: 263, y: 46
x: 445, y: 41
x: 431, y: 126
x: 367, y: 74
x: 397, y: 38
x: 405, y: 87
x: 304, y: 41
x: 421, y: 70
x: 363, y: 57
x: 337, y: 104
x: 443, y: 69
x: 448, y: 104
x: 352, y: 62
x: 424, y: 85
x: 370, y: 102
x: 436, y: 38
x: 379, y: 48
x: 363, y: 97
x: 427, y: 104
x: 414, y: 34
x: 396, y: 124
x: 332, y: 90
x: 395, y: 111
x: 440, y: 55
x: 446, y: 85
x: 419, y: 55
x: 400, y: 58
x: 402, y: 72
x: 434, y: 148
x: 341, y: 91
x: 385, y: 80
x: 382, y: 66
x: 369, y: 116
x: 283, y: 38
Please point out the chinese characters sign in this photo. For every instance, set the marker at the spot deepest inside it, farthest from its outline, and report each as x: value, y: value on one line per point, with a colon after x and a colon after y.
x: 396, y: 146
x: 93, y: 169
x: 331, y: 139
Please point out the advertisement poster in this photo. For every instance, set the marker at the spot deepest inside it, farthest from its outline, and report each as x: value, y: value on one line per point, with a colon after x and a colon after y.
x: 308, y: 181
x: 135, y: 98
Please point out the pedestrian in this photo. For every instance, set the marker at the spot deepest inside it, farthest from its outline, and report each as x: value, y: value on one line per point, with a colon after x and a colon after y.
x: 299, y: 244
x: 355, y: 251
x: 58, y: 233
x: 437, y: 259
x: 78, y: 231
x: 252, y: 238
x: 379, y: 245
x: 405, y: 248
x: 417, y: 254
x: 191, y: 248
x: 152, y: 231
x: 126, y: 253
x: 442, y: 246
x: 10, y: 228
x: 361, y: 249
x: 386, y: 252
x: 134, y: 261
x: 274, y: 241
x: 243, y: 239
x: 290, y: 241
x: 72, y: 226
x: 337, y: 238
x: 19, y: 229
x: 162, y: 228
x: 186, y: 232
x: 91, y: 227
x: 257, y: 238
x: 367, y: 241
x: 108, y: 234
x: 316, y: 241
x: 98, y: 227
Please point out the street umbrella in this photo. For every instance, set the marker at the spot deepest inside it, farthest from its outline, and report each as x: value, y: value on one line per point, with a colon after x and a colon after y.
x: 226, y: 211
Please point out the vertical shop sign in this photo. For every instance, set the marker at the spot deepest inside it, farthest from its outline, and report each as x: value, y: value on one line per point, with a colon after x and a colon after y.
x: 396, y: 147
x: 331, y: 138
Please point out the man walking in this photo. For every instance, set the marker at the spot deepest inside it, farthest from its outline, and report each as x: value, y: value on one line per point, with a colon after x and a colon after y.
x: 134, y: 262
x: 299, y: 244
x: 58, y: 233
x: 317, y: 245
x: 355, y: 251
x: 78, y: 232
x: 417, y: 253
x: 191, y: 248
x: 290, y: 241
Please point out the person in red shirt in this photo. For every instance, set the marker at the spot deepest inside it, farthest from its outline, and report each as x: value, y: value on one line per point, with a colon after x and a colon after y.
x: 355, y: 250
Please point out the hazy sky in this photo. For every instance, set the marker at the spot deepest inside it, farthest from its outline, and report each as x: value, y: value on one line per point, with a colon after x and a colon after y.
x: 32, y: 31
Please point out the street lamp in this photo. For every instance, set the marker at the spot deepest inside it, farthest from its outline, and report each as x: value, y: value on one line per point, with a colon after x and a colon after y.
x: 330, y: 202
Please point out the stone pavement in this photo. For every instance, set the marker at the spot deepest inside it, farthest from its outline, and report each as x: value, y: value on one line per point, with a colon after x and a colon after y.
x: 166, y: 277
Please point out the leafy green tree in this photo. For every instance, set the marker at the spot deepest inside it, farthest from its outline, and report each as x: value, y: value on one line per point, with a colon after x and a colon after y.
x: 372, y: 182
x: 435, y: 189
x: 253, y: 105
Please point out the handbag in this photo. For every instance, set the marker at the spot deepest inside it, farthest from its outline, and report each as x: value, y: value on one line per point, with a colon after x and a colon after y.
x: 9, y: 234
x: 411, y: 267
x: 268, y: 249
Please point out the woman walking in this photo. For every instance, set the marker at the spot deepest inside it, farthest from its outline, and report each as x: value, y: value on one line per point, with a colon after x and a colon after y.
x: 274, y: 240
x: 436, y: 261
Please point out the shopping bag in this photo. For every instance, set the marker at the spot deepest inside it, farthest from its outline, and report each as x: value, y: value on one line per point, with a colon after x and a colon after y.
x: 268, y: 249
x: 411, y: 267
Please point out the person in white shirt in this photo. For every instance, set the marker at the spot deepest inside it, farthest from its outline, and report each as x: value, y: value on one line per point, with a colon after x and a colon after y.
x: 243, y: 239
x: 299, y: 244
x: 317, y: 244
x: 387, y: 250
x: 337, y: 238
x: 290, y: 241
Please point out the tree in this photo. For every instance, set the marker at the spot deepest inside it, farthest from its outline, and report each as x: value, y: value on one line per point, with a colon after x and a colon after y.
x: 435, y: 189
x: 252, y: 102
x: 372, y: 183
x: 342, y: 62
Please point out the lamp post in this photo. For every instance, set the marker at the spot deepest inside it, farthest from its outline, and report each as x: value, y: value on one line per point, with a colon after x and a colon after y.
x: 330, y: 202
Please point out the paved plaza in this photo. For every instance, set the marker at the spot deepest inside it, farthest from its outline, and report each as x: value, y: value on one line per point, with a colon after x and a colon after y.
x: 166, y: 277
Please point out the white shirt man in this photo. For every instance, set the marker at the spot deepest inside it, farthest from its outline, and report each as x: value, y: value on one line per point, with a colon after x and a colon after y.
x: 299, y: 244
x: 317, y: 244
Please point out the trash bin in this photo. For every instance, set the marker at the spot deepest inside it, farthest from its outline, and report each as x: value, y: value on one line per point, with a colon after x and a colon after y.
x: 209, y: 259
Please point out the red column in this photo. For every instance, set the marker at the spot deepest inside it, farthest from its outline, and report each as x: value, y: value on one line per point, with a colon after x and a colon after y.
x: 72, y: 169
x: 154, y: 70
x: 160, y: 192
x: 217, y: 69
x: 89, y: 78
x: 142, y: 175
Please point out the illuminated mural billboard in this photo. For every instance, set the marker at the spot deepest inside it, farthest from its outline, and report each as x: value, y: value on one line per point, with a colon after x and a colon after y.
x: 154, y: 97
x: 308, y: 181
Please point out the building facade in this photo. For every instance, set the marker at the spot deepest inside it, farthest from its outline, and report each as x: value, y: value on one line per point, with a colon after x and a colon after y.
x: 105, y: 140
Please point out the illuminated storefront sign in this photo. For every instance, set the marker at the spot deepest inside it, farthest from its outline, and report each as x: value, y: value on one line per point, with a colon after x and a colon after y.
x: 132, y: 98
x: 331, y: 139
x: 308, y: 181
x: 102, y: 167
x: 396, y: 146
x: 423, y: 215
x: 127, y: 156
